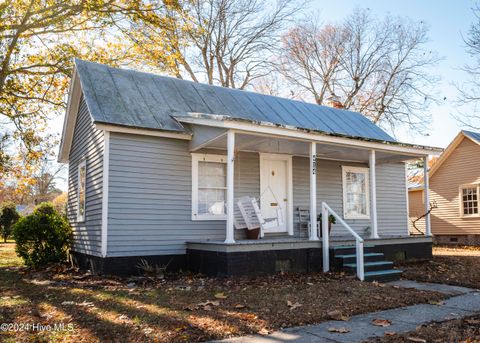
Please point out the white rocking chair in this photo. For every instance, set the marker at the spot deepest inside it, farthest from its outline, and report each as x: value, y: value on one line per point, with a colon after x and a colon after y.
x: 253, y: 216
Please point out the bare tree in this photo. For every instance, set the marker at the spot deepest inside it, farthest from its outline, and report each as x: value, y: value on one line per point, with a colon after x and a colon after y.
x: 376, y: 67
x: 224, y: 42
x: 469, y: 92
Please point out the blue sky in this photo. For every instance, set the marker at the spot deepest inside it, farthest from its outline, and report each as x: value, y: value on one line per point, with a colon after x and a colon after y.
x: 448, y: 20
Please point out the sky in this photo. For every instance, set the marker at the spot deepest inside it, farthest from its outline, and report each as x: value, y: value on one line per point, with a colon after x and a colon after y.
x: 448, y: 21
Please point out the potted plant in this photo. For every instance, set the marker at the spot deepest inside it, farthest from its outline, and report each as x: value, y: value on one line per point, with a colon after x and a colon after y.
x: 331, y: 220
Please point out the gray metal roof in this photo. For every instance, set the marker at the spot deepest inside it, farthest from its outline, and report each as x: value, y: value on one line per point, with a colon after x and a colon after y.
x: 136, y: 99
x: 473, y: 135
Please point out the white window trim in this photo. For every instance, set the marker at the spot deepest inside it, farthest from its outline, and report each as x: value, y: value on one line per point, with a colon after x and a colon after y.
x: 460, y: 198
x: 196, y: 157
x: 366, y: 171
x: 81, y: 218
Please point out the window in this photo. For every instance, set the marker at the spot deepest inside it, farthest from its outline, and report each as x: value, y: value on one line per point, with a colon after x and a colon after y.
x: 82, y: 185
x: 209, y: 187
x: 355, y: 193
x: 469, y: 200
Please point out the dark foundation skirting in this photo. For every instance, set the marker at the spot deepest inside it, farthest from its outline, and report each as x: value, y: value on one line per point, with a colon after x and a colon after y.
x: 128, y: 265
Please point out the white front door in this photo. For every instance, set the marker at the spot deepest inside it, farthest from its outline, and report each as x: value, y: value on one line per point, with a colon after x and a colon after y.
x: 275, y: 189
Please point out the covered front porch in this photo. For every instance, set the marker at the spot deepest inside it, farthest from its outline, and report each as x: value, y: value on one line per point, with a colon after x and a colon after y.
x: 361, y: 183
x: 271, y: 255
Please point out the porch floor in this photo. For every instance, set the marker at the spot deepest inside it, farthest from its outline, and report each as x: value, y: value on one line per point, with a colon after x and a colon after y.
x: 282, y: 243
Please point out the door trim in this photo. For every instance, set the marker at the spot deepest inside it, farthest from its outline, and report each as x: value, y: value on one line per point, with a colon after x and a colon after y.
x: 288, y: 159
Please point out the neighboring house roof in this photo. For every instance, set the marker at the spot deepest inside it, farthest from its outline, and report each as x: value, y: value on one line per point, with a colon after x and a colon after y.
x: 473, y: 136
x: 130, y: 98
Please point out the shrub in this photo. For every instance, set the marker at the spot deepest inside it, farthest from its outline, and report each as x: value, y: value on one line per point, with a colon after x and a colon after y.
x: 43, y: 237
x: 8, y: 217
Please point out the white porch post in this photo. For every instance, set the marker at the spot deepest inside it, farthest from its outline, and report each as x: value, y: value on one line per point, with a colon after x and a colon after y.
x: 373, y: 195
x: 313, y: 192
x: 428, y: 231
x: 230, y: 237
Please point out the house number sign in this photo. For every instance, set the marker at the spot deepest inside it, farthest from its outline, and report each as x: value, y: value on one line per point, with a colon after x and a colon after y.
x: 314, y: 164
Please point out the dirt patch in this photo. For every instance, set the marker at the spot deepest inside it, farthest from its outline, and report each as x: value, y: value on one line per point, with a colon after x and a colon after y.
x: 454, y: 266
x: 180, y: 307
x: 458, y: 330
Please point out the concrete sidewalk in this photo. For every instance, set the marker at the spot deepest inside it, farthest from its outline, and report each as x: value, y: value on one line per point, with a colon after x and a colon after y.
x: 402, y: 319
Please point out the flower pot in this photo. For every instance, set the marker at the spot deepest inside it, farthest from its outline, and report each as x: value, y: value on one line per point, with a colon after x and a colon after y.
x: 253, y: 234
x: 329, y: 228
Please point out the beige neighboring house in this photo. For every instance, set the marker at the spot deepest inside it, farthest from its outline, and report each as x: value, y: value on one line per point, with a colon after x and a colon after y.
x: 454, y: 189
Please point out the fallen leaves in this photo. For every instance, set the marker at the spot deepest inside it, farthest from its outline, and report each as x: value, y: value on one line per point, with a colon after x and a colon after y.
x: 337, y: 315
x: 381, y: 322
x: 339, y: 330
x: 263, y: 332
x: 436, y: 302
x: 292, y: 305
x: 220, y: 296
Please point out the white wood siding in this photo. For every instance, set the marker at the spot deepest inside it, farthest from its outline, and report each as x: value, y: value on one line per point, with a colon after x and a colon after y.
x: 150, y: 195
x: 391, y: 198
x: 87, y: 144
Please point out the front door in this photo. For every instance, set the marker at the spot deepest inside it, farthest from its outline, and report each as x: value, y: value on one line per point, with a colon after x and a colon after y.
x: 275, y: 173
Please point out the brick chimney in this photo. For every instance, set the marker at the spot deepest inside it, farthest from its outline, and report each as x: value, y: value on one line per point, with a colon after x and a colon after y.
x: 334, y: 101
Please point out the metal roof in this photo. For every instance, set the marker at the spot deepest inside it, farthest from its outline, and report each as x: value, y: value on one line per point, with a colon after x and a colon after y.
x: 473, y: 135
x: 135, y: 99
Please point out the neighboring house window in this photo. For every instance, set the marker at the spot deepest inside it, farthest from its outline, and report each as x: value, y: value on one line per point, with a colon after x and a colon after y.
x: 209, y: 187
x: 355, y: 193
x: 469, y: 200
x: 82, y: 186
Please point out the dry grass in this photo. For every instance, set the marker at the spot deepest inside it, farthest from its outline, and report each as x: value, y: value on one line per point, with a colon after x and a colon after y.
x: 465, y: 330
x: 451, y: 265
x: 181, y: 307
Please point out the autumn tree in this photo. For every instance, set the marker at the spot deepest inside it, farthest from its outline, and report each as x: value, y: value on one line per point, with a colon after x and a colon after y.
x: 470, y: 90
x: 223, y: 42
x: 38, y: 39
x: 378, y: 67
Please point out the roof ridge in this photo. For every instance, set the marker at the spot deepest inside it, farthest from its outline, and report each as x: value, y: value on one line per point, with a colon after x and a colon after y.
x: 175, y: 79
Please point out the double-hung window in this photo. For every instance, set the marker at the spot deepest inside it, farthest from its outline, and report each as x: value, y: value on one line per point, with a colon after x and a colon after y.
x: 209, y: 187
x: 81, y: 190
x: 356, y: 203
x: 469, y: 200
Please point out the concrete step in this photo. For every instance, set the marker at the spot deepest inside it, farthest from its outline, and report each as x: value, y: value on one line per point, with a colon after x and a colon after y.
x: 383, y: 275
x: 368, y: 257
x: 370, y: 266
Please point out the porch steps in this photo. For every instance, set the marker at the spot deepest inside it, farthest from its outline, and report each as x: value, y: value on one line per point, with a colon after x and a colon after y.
x: 376, y: 267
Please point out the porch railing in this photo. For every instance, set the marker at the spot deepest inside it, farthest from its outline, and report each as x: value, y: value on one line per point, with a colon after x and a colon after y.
x: 326, y: 211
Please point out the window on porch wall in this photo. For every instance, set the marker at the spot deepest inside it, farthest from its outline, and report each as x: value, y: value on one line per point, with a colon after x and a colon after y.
x: 209, y: 186
x: 355, y: 193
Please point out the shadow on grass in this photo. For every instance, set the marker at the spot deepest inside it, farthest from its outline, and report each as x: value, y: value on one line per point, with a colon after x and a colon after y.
x: 104, y: 322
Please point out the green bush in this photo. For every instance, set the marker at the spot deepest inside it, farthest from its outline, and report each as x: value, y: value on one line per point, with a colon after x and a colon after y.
x: 43, y: 237
x: 8, y: 217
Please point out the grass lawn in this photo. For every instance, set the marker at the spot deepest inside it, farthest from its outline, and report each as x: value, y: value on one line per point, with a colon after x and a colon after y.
x: 181, y: 307
x: 465, y: 330
x: 451, y: 265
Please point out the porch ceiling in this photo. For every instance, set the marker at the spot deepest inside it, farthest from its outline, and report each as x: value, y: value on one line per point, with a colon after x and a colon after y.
x: 265, y: 144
